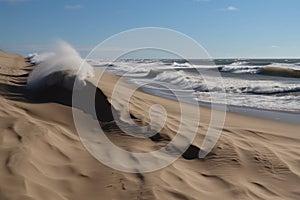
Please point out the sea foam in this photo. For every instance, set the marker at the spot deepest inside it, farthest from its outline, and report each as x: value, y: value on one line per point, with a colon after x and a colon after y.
x: 59, y: 67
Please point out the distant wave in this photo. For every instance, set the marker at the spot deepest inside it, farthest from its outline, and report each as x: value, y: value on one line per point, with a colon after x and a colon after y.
x: 271, y: 90
x: 183, y: 81
x: 62, y: 66
x: 177, y: 78
x: 266, y: 70
x: 240, y: 63
x: 239, y: 69
x: 186, y: 64
x: 295, y: 66
x: 278, y: 71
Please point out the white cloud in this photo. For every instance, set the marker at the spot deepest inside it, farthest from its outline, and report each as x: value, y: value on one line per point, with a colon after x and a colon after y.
x: 275, y: 46
x: 230, y: 9
x: 73, y: 7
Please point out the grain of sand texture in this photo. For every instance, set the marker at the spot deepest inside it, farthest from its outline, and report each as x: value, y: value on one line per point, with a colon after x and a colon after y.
x: 42, y: 157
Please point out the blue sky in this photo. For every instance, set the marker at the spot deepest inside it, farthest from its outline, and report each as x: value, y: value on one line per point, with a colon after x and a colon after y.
x: 225, y: 28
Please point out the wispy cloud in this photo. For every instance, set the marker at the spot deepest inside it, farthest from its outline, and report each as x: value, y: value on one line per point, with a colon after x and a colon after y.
x: 73, y: 7
x: 275, y: 46
x: 230, y: 9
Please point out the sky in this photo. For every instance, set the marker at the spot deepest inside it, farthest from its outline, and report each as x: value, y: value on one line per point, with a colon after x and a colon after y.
x: 225, y: 28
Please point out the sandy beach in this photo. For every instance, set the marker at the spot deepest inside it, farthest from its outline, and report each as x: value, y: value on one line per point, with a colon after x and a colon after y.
x: 42, y: 156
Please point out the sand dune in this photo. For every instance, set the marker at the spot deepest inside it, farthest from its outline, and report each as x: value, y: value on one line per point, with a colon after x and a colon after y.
x: 42, y: 156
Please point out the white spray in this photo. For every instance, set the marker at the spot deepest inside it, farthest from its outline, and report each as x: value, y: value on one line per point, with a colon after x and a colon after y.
x: 61, y: 66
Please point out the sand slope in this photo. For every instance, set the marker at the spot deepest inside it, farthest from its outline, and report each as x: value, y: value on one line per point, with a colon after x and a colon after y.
x: 41, y: 156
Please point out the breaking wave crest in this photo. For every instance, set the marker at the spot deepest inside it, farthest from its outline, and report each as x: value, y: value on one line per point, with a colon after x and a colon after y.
x: 270, y: 70
x: 278, y: 71
x: 60, y: 67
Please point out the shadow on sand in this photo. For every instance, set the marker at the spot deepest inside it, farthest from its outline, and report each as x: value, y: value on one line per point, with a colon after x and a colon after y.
x: 16, y: 90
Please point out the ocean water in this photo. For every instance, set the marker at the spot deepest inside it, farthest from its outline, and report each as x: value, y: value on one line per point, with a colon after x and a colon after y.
x: 260, y: 84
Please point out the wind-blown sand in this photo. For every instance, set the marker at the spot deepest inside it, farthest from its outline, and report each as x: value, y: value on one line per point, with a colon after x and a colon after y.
x: 42, y: 156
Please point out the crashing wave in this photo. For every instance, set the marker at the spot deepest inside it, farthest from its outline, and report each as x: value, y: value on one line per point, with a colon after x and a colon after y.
x: 61, y: 67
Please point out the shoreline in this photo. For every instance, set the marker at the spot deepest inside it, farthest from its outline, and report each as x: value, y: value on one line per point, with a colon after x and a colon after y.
x: 275, y: 115
x: 268, y: 114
